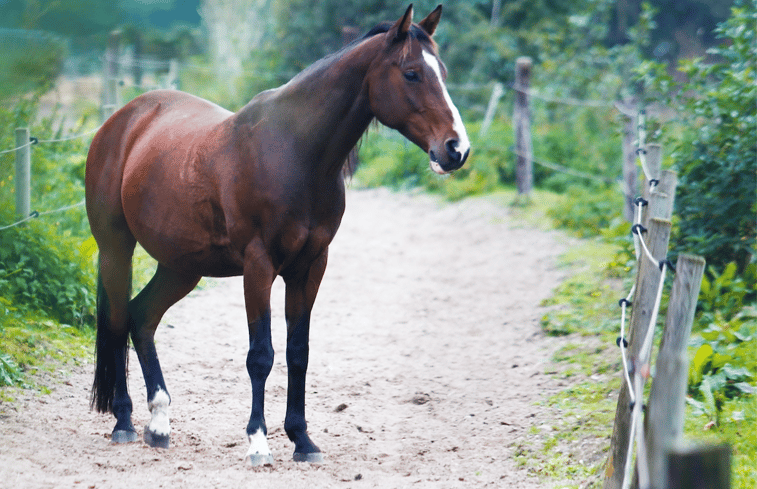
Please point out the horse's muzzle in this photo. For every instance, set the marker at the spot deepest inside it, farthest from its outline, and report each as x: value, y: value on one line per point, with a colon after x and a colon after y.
x: 451, y: 158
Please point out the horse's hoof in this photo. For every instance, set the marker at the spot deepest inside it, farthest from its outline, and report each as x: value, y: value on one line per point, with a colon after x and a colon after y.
x: 258, y: 460
x: 313, y: 457
x: 124, y: 436
x: 156, y: 440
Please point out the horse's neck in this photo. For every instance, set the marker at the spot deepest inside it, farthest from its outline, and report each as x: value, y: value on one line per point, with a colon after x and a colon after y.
x: 325, y: 110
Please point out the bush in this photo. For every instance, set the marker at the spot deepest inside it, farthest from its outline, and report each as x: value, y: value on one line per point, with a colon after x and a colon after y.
x: 42, y: 270
x: 717, y: 156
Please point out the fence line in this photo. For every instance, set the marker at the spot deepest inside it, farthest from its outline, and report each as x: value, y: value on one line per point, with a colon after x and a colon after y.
x: 560, y: 100
x: 36, y: 214
x: 24, y: 206
x: 33, y: 140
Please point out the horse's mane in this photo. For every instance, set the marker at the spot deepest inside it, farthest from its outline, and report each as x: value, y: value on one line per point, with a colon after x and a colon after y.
x: 415, y: 33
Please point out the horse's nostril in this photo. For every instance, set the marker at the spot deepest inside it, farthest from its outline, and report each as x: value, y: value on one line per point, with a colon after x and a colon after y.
x: 452, y: 145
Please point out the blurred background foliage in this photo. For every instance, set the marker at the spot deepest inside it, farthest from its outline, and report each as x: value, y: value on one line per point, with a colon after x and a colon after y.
x: 690, y: 62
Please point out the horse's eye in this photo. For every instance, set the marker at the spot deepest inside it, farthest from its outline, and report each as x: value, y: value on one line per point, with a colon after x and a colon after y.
x: 412, y: 76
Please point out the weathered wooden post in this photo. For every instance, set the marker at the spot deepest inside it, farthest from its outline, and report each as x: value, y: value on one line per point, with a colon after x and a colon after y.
x: 700, y: 468
x: 491, y: 108
x: 137, y: 70
x: 647, y: 282
x: 110, y: 100
x: 630, y: 177
x: 654, y: 166
x: 522, y: 120
x: 172, y: 79
x: 661, y: 200
x: 664, y: 422
x: 23, y: 172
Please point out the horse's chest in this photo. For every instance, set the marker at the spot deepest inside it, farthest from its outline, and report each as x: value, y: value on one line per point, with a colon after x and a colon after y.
x: 299, y: 245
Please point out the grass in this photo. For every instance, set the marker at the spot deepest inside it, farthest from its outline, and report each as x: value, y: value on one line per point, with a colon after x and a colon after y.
x: 572, y: 450
x: 32, y: 346
x: 583, y: 311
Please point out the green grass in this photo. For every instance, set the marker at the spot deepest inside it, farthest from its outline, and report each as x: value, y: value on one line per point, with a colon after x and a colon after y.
x: 584, y: 312
x: 32, y: 345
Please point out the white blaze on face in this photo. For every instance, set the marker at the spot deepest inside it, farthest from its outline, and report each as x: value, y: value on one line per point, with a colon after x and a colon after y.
x: 463, y: 145
x: 160, y: 423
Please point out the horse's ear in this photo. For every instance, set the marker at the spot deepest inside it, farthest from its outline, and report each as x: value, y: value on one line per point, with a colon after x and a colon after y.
x: 429, y: 23
x: 400, y: 28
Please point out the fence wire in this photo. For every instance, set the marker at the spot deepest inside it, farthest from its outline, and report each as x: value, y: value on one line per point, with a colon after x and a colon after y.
x: 32, y: 142
x: 639, y: 367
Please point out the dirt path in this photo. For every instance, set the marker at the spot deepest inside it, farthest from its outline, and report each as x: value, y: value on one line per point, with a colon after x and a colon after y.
x: 426, y: 361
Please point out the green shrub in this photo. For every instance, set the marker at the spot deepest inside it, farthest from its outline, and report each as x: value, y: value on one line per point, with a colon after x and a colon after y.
x: 588, y: 213
x: 717, y: 156
x: 43, y: 270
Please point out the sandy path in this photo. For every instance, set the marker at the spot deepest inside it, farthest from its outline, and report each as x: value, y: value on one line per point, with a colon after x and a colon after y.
x: 426, y: 329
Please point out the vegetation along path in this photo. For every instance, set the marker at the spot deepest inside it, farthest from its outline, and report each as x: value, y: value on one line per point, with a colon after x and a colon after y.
x: 426, y: 363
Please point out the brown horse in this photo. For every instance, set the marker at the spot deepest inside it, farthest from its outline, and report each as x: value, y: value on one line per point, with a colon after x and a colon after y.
x: 257, y: 193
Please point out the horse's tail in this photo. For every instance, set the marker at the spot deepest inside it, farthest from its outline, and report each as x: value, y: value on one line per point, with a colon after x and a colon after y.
x: 109, y: 347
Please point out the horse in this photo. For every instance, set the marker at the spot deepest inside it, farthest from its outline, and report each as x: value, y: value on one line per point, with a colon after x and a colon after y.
x: 258, y: 193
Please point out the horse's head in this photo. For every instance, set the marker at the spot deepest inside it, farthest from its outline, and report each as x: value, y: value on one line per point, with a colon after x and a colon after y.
x: 407, y: 92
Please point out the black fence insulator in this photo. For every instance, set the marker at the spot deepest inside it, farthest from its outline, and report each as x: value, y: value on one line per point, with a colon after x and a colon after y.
x: 669, y: 264
x: 33, y: 140
x: 654, y: 182
x: 640, y: 201
x: 625, y: 342
x: 638, y: 229
x: 641, y: 151
x: 625, y: 302
x: 632, y: 404
x: 34, y: 214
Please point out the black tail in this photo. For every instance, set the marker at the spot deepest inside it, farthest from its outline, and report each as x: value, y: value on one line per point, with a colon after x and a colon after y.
x: 108, y: 347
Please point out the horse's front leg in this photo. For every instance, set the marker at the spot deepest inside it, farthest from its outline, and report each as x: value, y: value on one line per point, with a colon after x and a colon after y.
x: 300, y: 296
x: 258, y: 278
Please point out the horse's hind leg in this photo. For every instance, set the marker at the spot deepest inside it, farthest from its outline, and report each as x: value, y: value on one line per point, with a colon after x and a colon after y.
x: 110, y: 390
x: 164, y: 289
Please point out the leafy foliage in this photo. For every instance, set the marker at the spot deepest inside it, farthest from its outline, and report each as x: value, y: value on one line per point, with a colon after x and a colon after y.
x: 41, y: 270
x: 41, y: 265
x: 717, y: 155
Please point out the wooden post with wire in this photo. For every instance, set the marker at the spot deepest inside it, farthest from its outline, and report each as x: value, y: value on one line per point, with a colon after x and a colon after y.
x: 647, y: 283
x: 664, y: 421
x: 23, y: 178
x: 629, y: 167
x: 699, y: 468
x: 110, y: 101
x: 522, y: 120
x: 491, y: 108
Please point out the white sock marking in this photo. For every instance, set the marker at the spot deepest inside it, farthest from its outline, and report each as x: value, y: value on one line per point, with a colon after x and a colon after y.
x: 463, y: 145
x: 160, y: 423
x: 258, y: 445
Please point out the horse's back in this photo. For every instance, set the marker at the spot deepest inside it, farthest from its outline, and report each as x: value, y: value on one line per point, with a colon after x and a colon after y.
x: 158, y: 119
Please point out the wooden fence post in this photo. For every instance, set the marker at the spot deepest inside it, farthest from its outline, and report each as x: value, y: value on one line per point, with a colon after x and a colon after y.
x: 23, y: 172
x: 664, y: 421
x: 654, y: 165
x: 110, y: 101
x: 172, y: 79
x: 647, y: 282
x: 700, y: 468
x: 630, y: 178
x: 522, y: 120
x: 491, y: 108
x: 662, y: 199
